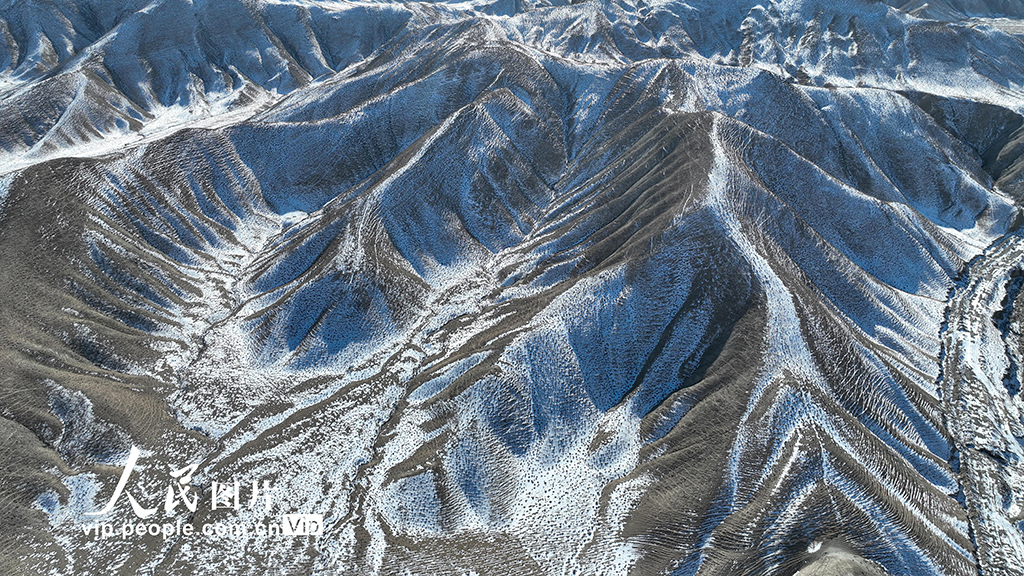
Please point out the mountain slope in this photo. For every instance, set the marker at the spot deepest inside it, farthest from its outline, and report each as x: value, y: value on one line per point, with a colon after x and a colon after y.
x: 592, y: 289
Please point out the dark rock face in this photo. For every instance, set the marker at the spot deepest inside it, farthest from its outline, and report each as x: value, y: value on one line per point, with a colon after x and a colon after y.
x: 511, y: 288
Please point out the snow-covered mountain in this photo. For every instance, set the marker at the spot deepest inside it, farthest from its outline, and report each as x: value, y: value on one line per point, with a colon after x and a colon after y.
x: 960, y: 9
x: 508, y: 287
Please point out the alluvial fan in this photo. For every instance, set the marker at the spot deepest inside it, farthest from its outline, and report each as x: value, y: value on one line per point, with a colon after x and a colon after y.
x: 509, y: 287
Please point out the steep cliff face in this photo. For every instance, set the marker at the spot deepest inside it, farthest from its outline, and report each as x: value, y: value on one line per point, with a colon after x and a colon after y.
x: 605, y: 288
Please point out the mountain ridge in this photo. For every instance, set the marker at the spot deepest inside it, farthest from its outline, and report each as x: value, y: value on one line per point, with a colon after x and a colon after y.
x: 580, y: 289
